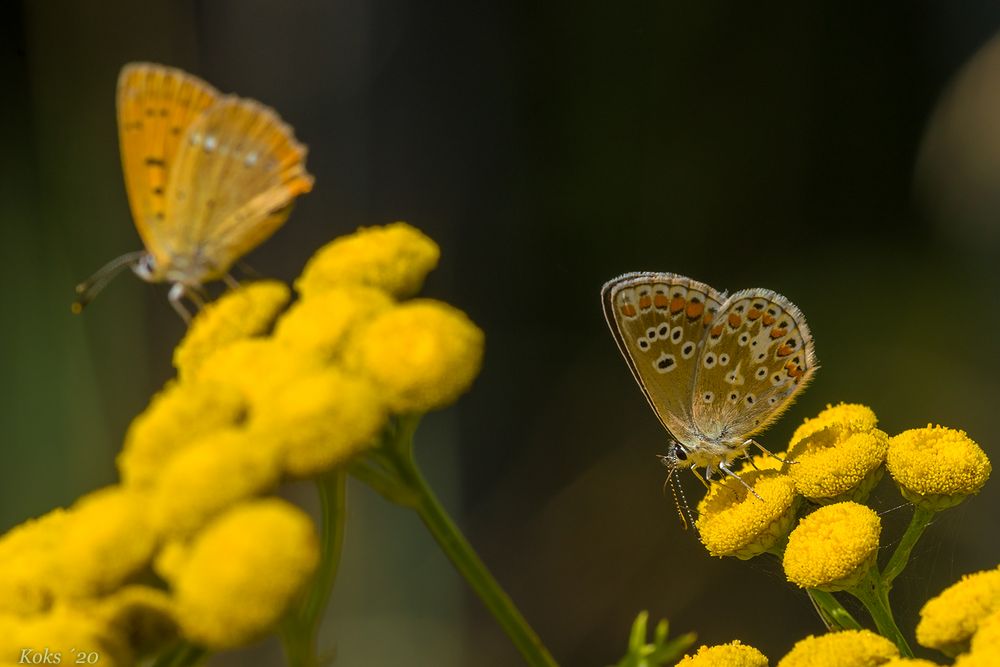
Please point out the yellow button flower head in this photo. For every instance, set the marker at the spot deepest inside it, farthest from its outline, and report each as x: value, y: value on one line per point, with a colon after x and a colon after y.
x: 27, y: 564
x: 733, y: 522
x: 257, y: 368
x: 323, y: 322
x: 65, y: 630
x: 395, y: 258
x: 175, y: 417
x: 937, y: 468
x: 242, y: 572
x: 948, y: 621
x: 106, y: 540
x: 987, y: 635
x: 833, y: 548
x: 320, y: 420
x: 248, y: 311
x: 143, y: 615
x: 422, y: 355
x: 733, y: 654
x: 208, y: 476
x: 910, y: 662
x: 838, y: 455
x: 850, y: 648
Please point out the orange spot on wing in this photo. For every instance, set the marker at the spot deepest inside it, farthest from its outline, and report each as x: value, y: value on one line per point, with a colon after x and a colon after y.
x: 677, y: 304
x: 628, y: 310
x: 754, y: 314
x: 784, y: 351
x: 717, y: 330
x: 793, y: 370
x: 661, y: 301
x: 645, y: 302
x: 735, y: 320
x: 778, y: 333
x: 768, y: 320
x: 694, y: 310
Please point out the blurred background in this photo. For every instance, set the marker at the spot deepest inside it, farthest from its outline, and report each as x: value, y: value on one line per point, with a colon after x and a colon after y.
x: 846, y: 155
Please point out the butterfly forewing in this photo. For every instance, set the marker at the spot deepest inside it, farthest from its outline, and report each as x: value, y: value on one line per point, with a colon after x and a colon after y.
x: 237, y: 171
x: 156, y: 105
x: 659, y: 321
x: 758, y: 354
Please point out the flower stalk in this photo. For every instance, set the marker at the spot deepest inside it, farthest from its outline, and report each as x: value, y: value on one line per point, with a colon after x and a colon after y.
x: 875, y: 597
x: 301, y: 627
x: 922, y: 517
x: 392, y: 470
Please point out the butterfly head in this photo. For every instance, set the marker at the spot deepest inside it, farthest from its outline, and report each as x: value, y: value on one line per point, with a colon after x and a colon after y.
x: 676, y: 457
x: 145, y: 267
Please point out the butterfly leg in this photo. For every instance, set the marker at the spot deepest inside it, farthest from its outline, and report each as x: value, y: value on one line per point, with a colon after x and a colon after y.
x: 761, y: 447
x: 231, y: 282
x: 176, y: 293
x: 726, y: 469
x: 701, y: 479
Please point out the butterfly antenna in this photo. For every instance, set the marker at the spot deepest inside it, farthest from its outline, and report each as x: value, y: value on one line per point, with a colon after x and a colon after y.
x: 683, y: 509
x: 91, y: 287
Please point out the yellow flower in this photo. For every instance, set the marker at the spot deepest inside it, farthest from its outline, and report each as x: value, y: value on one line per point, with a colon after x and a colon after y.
x: 242, y: 313
x: 27, y: 564
x: 831, y: 424
x: 143, y: 615
x: 850, y: 648
x: 395, y: 258
x: 242, y: 572
x: 833, y: 548
x: 257, y: 368
x: 65, y: 630
x: 106, y: 540
x: 176, y: 416
x: 909, y: 662
x: 987, y: 635
x: 838, y: 455
x: 320, y: 420
x: 978, y: 659
x: 948, y: 621
x: 733, y: 654
x: 323, y: 322
x: 937, y: 467
x: 208, y: 476
x: 733, y: 522
x: 171, y: 558
x: 422, y: 355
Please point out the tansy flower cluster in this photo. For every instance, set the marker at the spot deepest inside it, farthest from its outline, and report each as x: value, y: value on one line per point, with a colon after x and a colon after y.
x: 806, y: 507
x: 193, y: 544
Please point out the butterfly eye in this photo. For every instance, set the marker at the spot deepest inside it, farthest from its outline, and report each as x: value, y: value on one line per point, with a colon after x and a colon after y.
x: 679, y: 453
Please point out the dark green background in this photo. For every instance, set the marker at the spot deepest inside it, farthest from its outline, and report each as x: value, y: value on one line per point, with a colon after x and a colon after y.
x: 547, y: 147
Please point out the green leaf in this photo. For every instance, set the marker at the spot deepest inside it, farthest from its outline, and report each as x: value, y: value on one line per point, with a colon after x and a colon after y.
x: 661, y: 651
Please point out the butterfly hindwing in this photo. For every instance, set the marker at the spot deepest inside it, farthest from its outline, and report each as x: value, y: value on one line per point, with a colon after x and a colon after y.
x: 659, y: 321
x: 156, y: 105
x: 238, y: 170
x: 758, y: 354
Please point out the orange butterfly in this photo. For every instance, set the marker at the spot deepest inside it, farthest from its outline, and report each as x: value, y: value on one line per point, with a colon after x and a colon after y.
x: 209, y: 178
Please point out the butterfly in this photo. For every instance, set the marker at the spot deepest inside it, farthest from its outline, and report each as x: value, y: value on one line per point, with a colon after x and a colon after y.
x: 209, y: 177
x: 715, y: 369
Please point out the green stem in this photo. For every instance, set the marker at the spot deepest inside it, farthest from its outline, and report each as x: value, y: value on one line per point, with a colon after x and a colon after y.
x: 460, y: 552
x: 831, y: 611
x: 900, y: 557
x: 183, y: 654
x: 875, y: 597
x: 301, y: 628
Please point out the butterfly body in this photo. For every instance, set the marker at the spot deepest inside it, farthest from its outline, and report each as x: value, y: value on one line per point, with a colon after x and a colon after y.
x: 716, y: 369
x: 209, y: 177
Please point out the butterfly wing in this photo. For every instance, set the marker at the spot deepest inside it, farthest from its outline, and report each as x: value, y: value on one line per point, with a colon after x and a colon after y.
x: 659, y: 322
x: 156, y: 105
x: 758, y: 354
x: 237, y: 172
